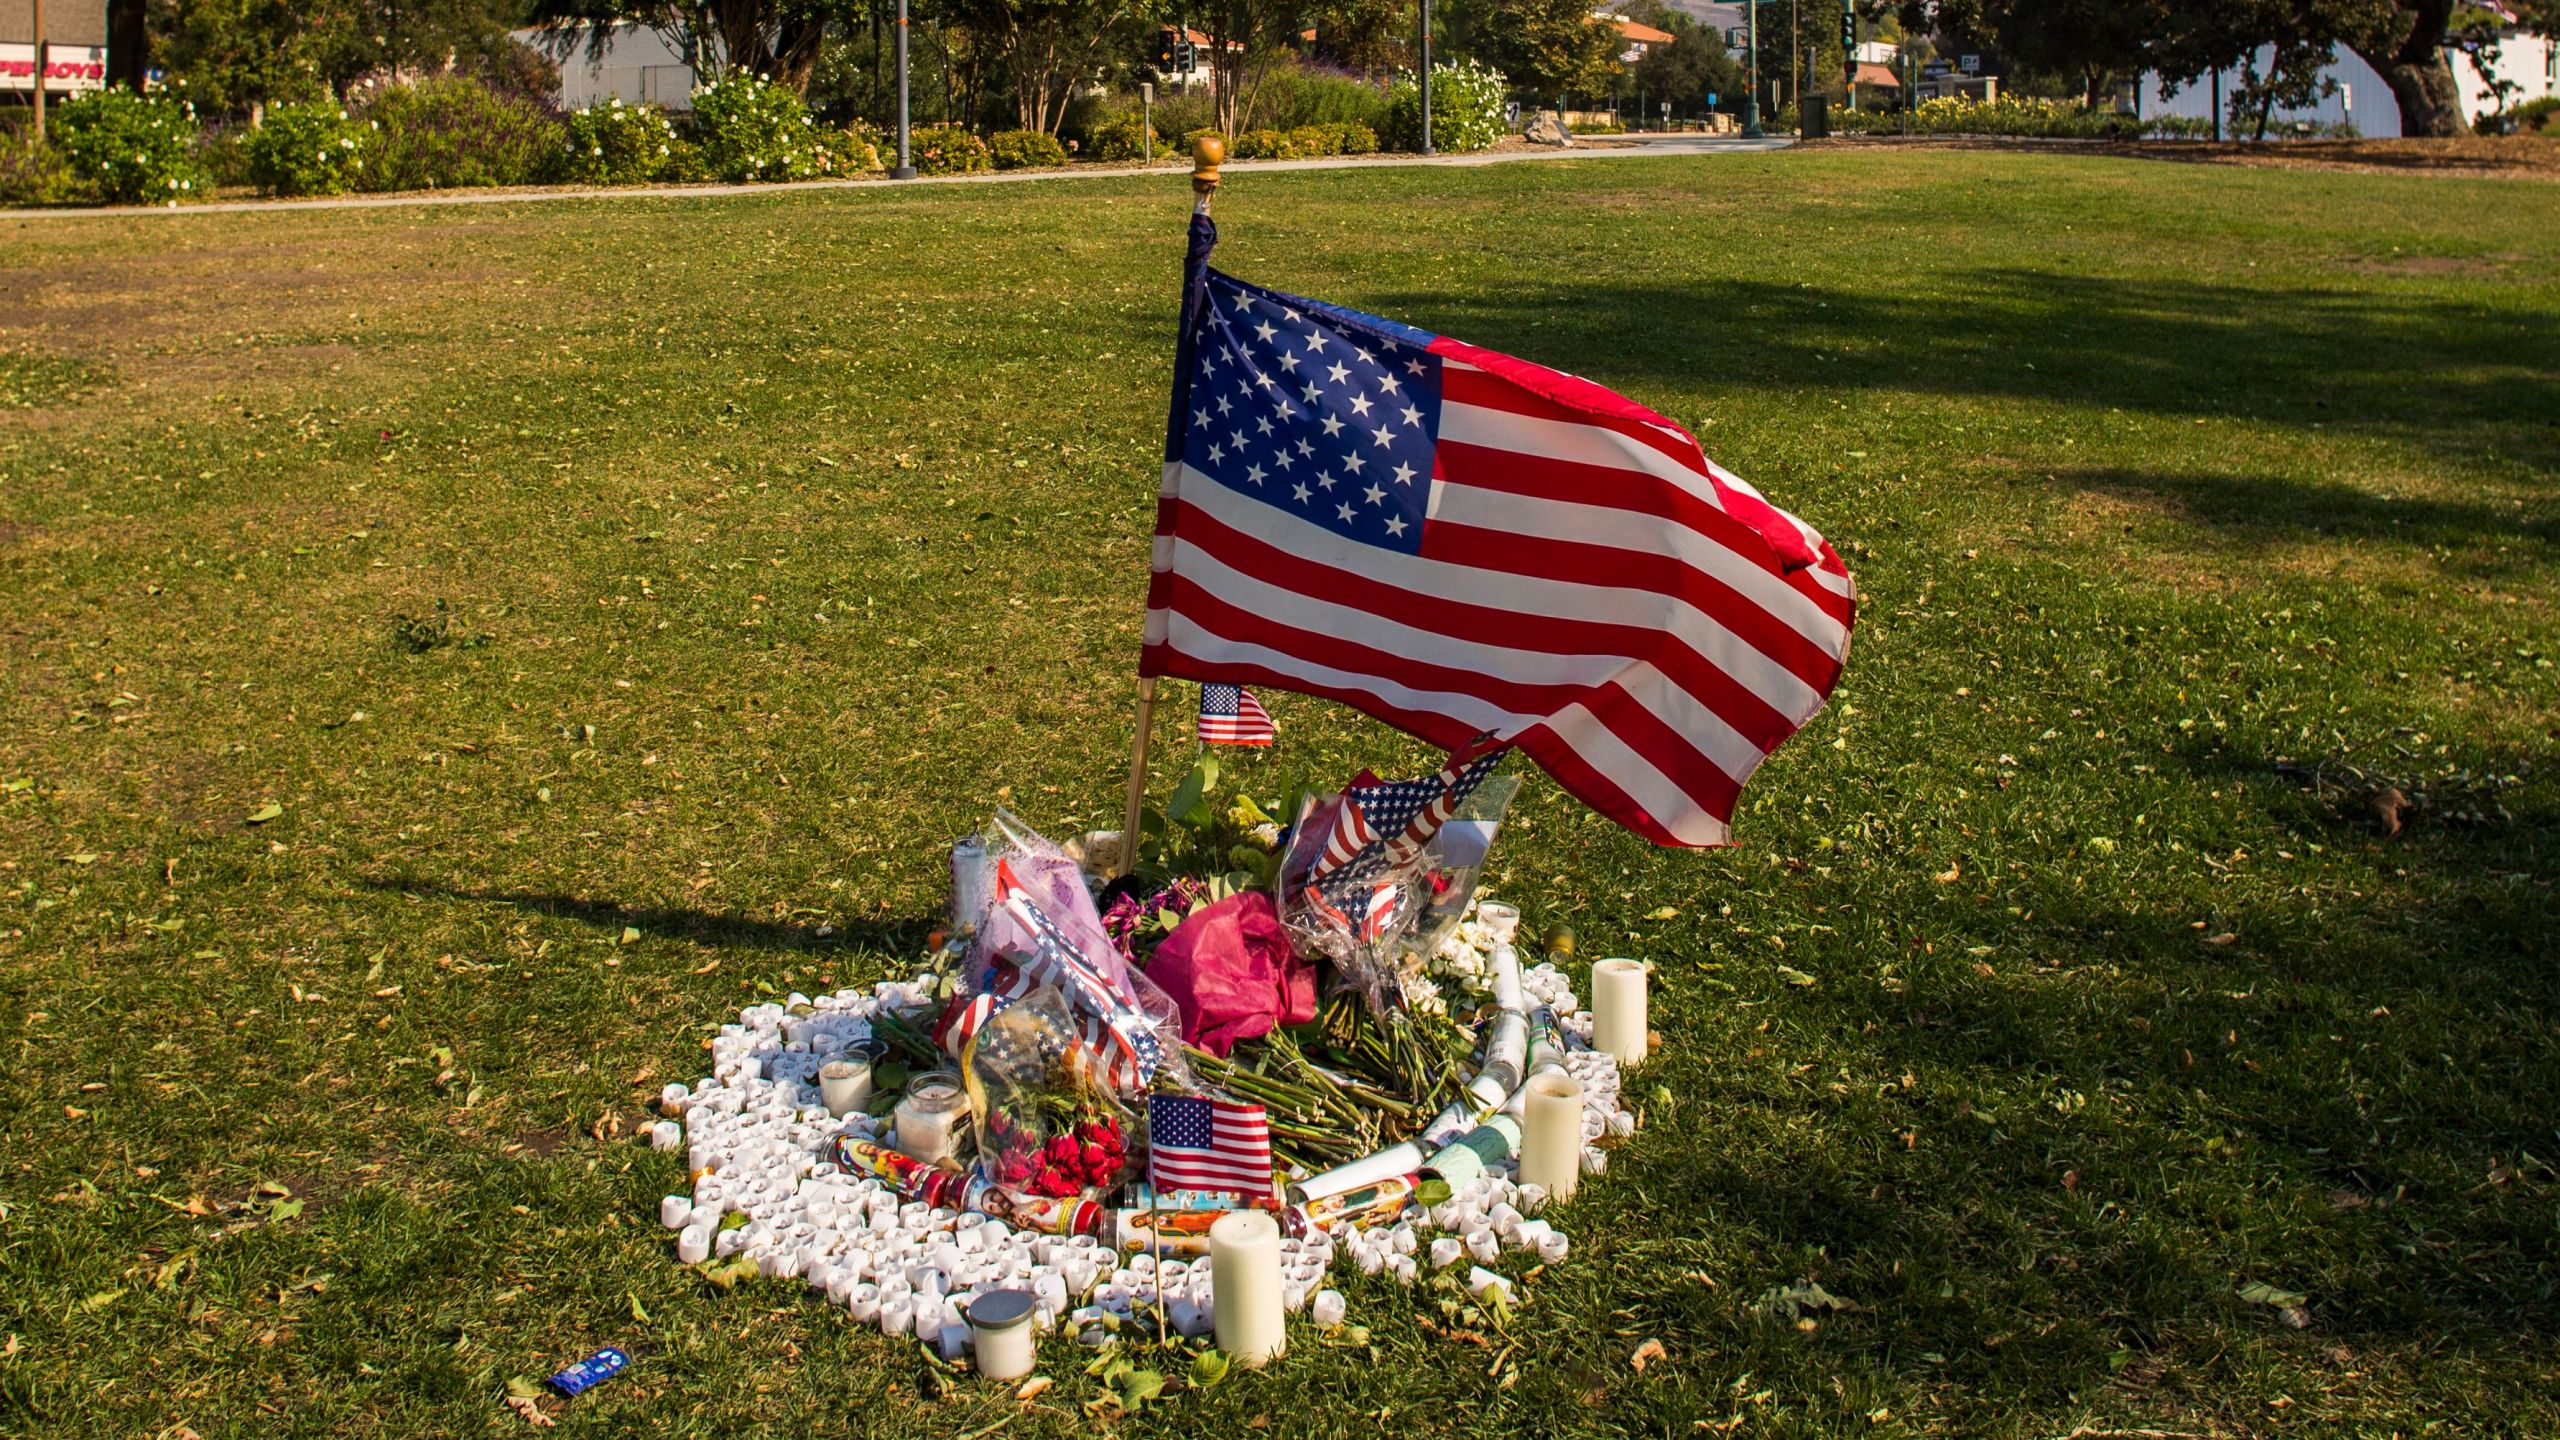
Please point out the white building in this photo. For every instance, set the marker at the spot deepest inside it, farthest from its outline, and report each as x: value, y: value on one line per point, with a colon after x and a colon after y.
x: 636, y: 64
x: 2529, y: 62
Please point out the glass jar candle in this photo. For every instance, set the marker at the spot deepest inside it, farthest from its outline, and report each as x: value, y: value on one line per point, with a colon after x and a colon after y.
x: 934, y: 1117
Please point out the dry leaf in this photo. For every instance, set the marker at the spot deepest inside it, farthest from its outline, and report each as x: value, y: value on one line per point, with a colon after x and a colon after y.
x: 530, y: 1411
x: 2388, y: 806
x: 1033, y: 1388
x: 1951, y: 874
x: 1646, y: 1354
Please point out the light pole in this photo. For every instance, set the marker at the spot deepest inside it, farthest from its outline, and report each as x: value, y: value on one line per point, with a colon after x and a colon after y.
x: 1426, y: 77
x: 40, y: 69
x: 1751, y: 105
x: 906, y: 166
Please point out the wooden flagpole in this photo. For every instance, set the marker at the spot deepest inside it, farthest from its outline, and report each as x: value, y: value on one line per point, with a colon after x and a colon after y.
x: 1206, y: 154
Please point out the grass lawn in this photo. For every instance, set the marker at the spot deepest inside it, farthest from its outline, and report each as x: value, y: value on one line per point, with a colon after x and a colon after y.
x: 625, y: 603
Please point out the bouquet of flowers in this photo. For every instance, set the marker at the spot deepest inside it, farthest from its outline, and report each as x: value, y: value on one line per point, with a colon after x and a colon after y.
x: 1057, y: 1158
x: 1049, y: 1124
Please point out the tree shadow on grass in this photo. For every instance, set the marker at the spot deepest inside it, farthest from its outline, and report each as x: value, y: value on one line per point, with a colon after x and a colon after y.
x: 2255, y: 513
x: 700, y: 927
x: 2455, y: 375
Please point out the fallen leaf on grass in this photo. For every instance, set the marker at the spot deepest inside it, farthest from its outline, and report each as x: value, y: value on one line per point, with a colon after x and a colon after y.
x: 530, y: 1411
x: 630, y: 934
x: 1038, y: 1385
x: 264, y: 813
x: 2225, y: 938
x: 1793, y: 976
x: 1646, y: 1354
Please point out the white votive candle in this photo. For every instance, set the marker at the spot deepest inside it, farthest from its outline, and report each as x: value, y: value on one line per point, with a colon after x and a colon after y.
x: 1618, y: 1010
x: 1244, y: 1268
x: 1551, y: 1135
x: 844, y: 1084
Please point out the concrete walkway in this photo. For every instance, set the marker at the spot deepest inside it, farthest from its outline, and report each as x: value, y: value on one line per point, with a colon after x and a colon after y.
x: 1634, y: 146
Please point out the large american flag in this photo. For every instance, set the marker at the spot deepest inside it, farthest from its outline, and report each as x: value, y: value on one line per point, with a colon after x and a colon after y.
x: 1461, y: 543
x: 1197, y: 1143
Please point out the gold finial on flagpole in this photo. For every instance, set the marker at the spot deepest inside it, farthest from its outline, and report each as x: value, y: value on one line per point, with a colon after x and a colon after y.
x: 1206, y: 153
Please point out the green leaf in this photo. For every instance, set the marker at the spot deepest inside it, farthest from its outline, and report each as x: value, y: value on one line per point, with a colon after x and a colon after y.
x: 103, y: 1299
x: 639, y: 1311
x: 1793, y: 976
x: 524, y: 1387
x: 1140, y: 1386
x: 2259, y: 1292
x: 1208, y: 1368
x: 1434, y: 1191
x: 1186, y: 796
x: 284, y: 1210
x: 264, y: 813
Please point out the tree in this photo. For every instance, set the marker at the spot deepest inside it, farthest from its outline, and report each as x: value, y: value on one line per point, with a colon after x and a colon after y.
x: 777, y: 39
x: 1247, y: 38
x: 1371, y: 37
x: 1549, y: 48
x: 239, y: 56
x: 1686, y: 71
x: 1044, y: 47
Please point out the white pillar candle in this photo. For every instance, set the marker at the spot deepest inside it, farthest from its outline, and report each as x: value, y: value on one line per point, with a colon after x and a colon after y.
x: 1244, y: 1268
x: 1551, y: 1136
x: 1000, y: 1323
x: 1618, y: 1009
x: 1503, y: 920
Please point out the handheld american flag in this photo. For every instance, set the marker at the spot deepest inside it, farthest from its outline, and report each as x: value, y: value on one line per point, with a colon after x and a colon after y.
x: 1195, y: 1143
x: 1229, y: 715
x: 1461, y: 543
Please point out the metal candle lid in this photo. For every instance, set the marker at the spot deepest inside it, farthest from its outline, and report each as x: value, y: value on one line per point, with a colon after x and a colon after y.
x: 1002, y: 1309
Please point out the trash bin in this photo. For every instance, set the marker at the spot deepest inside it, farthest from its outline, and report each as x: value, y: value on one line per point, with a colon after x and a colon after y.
x: 1816, y: 123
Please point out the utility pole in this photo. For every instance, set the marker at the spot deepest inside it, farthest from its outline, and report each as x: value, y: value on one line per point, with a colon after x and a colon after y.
x: 40, y: 68
x: 1751, y: 105
x: 906, y: 164
x: 1426, y: 77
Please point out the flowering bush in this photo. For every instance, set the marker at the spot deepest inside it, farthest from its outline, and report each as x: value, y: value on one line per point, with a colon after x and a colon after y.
x: 448, y: 131
x: 1352, y: 137
x: 1121, y: 137
x: 852, y: 149
x: 948, y: 150
x: 311, y: 149
x: 618, y: 144
x: 130, y: 147
x: 1467, y: 108
x: 1023, y: 149
x: 752, y: 129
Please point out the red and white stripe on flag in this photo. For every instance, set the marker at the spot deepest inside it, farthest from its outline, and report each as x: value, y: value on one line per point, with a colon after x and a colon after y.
x: 1584, y: 584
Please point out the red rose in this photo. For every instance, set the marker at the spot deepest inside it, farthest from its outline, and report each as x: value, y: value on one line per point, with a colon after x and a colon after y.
x: 1049, y: 1182
x: 1060, y: 1151
x: 1098, y: 1163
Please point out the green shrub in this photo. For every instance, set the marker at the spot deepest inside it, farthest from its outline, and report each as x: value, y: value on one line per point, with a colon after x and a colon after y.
x: 618, y: 144
x: 852, y: 149
x: 309, y: 149
x: 1352, y: 137
x: 130, y: 148
x: 1295, y: 96
x: 752, y: 129
x: 222, y: 155
x: 1024, y: 149
x: 1192, y: 137
x: 1315, y: 140
x: 2533, y: 117
x: 1467, y: 108
x: 1119, y: 137
x: 33, y: 174
x: 447, y: 131
x: 948, y: 150
x: 1262, y: 145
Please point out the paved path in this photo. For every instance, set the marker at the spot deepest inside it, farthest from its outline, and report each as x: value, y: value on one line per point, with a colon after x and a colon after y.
x: 1642, y: 146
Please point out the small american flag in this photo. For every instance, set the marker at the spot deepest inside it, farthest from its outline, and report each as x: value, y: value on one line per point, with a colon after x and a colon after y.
x: 1382, y: 825
x: 1460, y: 543
x: 1229, y: 715
x: 1197, y: 1143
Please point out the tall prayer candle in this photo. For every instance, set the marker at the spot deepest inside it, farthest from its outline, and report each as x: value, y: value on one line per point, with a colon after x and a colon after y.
x: 1551, y: 1135
x: 1244, y: 1273
x: 1618, y: 1010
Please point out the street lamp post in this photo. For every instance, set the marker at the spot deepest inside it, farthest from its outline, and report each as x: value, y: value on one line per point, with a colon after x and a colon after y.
x: 906, y: 165
x: 1751, y: 103
x: 1426, y: 77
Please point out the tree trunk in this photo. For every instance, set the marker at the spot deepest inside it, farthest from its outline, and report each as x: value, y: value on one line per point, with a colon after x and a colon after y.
x: 128, y: 44
x: 2419, y: 77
